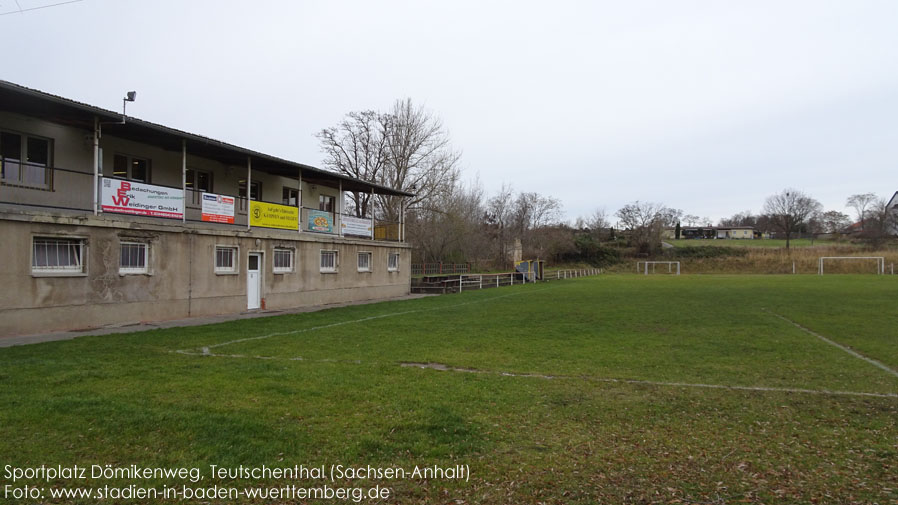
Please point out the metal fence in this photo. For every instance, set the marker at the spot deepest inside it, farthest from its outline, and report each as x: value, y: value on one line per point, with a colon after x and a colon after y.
x: 468, y: 282
x: 440, y: 268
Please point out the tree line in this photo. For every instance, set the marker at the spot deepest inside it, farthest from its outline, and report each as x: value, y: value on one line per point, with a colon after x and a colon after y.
x: 409, y: 149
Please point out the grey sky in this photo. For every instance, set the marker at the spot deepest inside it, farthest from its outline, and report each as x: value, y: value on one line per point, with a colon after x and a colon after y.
x: 707, y: 106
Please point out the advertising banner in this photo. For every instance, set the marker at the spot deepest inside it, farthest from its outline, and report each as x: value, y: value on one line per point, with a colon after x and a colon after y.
x: 128, y: 197
x: 321, y: 221
x: 272, y: 215
x: 218, y: 208
x: 356, y: 226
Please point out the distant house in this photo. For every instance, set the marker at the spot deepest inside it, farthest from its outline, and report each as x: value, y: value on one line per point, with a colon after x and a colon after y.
x: 713, y: 232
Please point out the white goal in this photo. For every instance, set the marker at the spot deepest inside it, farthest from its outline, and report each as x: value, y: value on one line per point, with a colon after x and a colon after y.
x: 880, y: 262
x: 644, y: 265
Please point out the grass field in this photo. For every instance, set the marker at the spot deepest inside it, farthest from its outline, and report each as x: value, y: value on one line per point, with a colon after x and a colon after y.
x: 767, y: 243
x: 610, y: 389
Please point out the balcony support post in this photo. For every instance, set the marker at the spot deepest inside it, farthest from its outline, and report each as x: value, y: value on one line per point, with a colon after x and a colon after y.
x: 371, y: 210
x: 249, y: 192
x: 299, y: 198
x: 184, y: 178
x: 340, y: 205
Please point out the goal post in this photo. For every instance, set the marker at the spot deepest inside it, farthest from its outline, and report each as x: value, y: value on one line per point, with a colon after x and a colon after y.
x: 644, y: 265
x: 880, y: 262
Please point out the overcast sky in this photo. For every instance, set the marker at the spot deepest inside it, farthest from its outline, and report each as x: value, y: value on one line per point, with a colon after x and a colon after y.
x: 707, y: 106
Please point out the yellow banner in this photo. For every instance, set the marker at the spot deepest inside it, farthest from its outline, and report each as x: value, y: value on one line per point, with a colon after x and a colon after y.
x: 272, y: 215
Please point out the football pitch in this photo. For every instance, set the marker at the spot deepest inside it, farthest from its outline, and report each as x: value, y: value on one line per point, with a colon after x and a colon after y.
x: 608, y: 389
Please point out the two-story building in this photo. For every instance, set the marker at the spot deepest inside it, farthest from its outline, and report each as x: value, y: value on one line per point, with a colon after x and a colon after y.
x: 110, y: 220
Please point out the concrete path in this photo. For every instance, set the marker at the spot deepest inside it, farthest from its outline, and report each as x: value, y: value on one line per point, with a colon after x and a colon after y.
x: 177, y: 323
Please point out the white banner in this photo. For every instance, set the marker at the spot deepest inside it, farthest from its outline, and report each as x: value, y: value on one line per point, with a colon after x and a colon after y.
x: 356, y: 226
x: 128, y: 197
x: 218, y: 208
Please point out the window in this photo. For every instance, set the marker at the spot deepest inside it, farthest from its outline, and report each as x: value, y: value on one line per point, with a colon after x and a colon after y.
x: 57, y: 255
x: 326, y: 203
x: 328, y: 261
x: 133, y: 259
x: 364, y: 262
x: 393, y: 262
x: 225, y: 259
x: 131, y: 168
x: 199, y: 180
x: 291, y: 197
x: 255, y: 190
x: 283, y: 261
x: 24, y: 160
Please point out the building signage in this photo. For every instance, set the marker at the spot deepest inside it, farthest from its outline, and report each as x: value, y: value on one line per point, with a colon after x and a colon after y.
x: 128, y: 197
x: 218, y: 208
x: 321, y: 221
x: 272, y: 215
x: 355, y: 226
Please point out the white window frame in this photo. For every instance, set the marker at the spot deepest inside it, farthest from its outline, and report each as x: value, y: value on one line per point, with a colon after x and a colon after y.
x: 367, y: 266
x: 283, y: 270
x: 390, y: 266
x: 328, y: 269
x: 143, y: 270
x: 59, y: 271
x: 235, y: 260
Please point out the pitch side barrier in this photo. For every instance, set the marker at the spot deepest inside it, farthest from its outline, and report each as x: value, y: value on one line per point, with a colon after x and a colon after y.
x: 467, y: 282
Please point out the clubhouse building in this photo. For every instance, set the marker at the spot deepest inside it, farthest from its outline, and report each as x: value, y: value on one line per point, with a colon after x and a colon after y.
x: 107, y: 220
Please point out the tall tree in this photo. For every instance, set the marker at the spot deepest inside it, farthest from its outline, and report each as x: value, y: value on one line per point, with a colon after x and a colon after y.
x: 420, y: 158
x: 834, y: 221
x: 357, y: 147
x: 644, y: 220
x: 860, y: 203
x: 789, y: 210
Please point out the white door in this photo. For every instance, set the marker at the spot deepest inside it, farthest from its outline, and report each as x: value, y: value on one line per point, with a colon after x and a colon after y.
x: 254, y: 281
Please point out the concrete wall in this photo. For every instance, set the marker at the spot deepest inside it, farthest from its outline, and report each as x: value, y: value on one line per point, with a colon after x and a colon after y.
x: 181, y: 281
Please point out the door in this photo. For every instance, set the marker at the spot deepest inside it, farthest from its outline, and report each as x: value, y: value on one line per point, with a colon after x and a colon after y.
x: 254, y: 281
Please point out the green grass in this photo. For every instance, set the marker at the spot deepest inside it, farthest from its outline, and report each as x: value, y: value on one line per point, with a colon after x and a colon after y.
x: 773, y: 243
x: 329, y: 390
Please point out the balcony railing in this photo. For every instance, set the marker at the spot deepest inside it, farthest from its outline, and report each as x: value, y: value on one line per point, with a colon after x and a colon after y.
x: 35, y: 185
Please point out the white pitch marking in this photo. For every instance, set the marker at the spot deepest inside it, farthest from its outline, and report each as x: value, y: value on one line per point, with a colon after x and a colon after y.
x: 836, y: 344
x: 304, y: 330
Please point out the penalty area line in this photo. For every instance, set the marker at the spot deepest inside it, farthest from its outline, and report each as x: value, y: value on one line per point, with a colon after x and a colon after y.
x: 763, y: 389
x: 833, y: 343
x: 364, y: 319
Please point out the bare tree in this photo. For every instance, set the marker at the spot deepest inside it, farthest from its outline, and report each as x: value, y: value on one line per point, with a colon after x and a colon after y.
x: 834, y: 221
x: 691, y: 220
x: 406, y: 148
x: 744, y: 218
x: 789, y: 210
x: 860, y: 202
x: 420, y: 158
x: 357, y: 147
x: 499, y: 216
x: 882, y: 220
x: 598, y: 220
x: 644, y: 220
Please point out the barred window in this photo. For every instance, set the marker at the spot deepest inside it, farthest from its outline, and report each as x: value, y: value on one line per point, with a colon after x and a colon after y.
x: 225, y: 259
x: 57, y: 255
x: 393, y: 262
x: 364, y: 262
x: 133, y: 259
x: 283, y: 260
x: 328, y: 261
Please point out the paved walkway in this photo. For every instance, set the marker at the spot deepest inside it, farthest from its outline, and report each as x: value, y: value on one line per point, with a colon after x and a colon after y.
x: 177, y: 323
